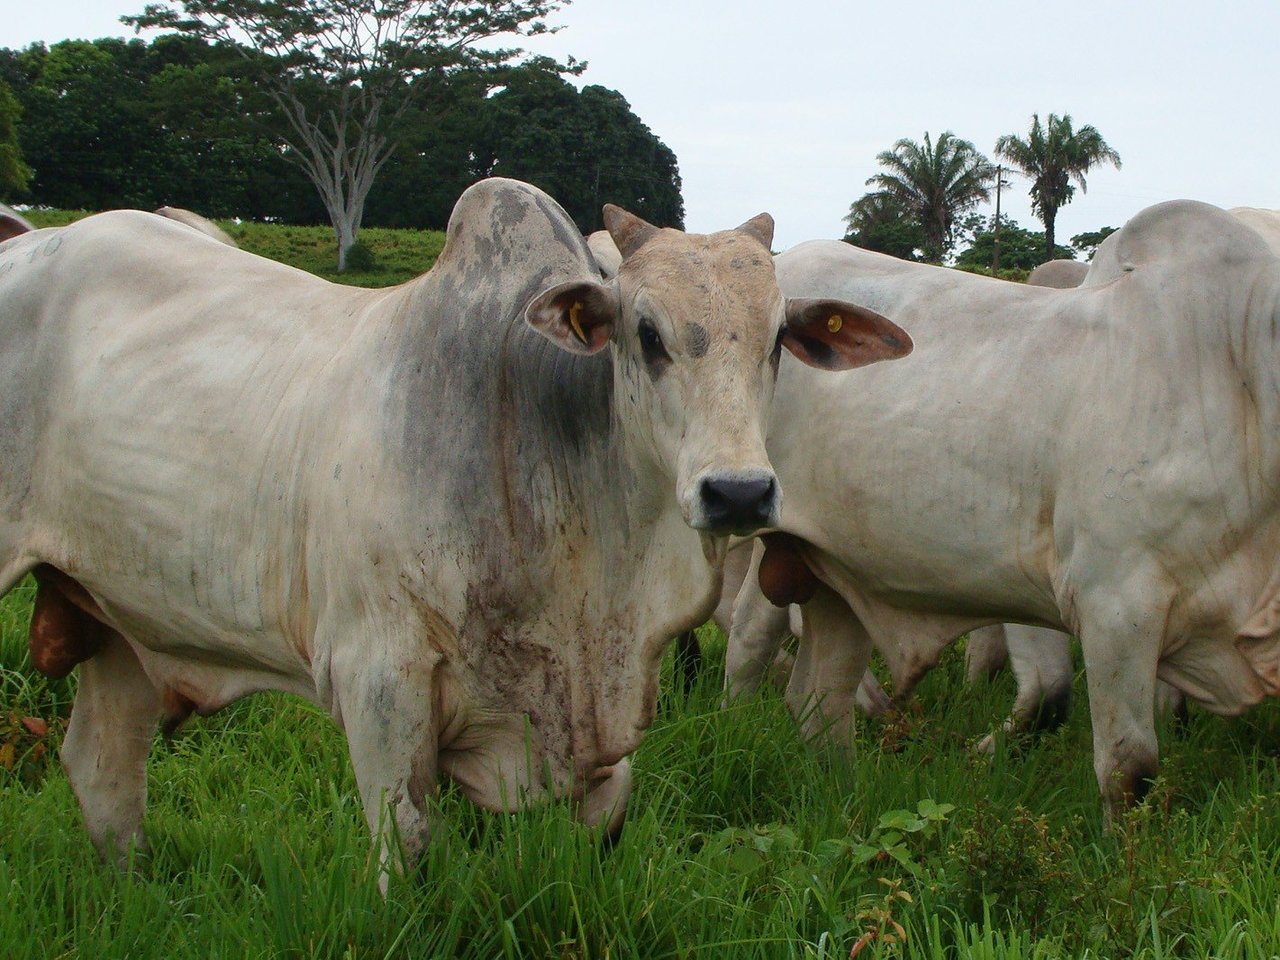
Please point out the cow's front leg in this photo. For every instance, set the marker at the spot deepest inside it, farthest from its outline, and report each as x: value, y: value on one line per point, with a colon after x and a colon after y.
x: 113, y: 723
x: 386, y: 707
x: 755, y: 637
x: 1121, y: 645
x: 831, y: 663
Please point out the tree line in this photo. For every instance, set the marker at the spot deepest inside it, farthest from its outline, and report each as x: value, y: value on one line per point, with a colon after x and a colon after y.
x: 918, y: 208
x: 186, y: 121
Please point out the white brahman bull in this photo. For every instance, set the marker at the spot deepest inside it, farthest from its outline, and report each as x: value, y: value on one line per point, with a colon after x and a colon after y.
x: 1040, y: 658
x: 1103, y: 461
x: 464, y: 515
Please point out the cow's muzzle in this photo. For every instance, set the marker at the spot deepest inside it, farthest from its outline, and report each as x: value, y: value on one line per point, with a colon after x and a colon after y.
x: 605, y: 802
x: 739, y: 503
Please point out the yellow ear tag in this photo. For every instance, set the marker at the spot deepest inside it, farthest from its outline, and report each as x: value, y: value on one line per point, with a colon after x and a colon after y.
x: 575, y: 323
x: 835, y: 323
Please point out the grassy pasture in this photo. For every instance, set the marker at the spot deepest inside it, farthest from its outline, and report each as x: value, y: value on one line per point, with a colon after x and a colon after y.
x: 398, y: 255
x: 742, y: 841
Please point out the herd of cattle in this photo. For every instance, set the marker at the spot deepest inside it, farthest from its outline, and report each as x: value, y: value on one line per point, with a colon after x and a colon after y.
x: 466, y: 515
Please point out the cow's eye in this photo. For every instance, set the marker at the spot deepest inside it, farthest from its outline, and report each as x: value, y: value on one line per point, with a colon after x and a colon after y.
x: 651, y: 343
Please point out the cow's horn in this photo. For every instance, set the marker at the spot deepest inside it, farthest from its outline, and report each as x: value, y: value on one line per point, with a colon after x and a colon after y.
x: 629, y: 232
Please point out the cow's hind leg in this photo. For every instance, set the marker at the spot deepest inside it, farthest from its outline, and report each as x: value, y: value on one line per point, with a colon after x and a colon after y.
x: 986, y: 653
x: 1041, y: 660
x: 113, y: 723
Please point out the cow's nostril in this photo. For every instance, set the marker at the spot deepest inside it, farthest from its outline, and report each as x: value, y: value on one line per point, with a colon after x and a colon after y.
x: 738, y: 503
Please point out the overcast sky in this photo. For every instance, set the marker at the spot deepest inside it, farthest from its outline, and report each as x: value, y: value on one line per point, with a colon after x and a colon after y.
x: 784, y: 106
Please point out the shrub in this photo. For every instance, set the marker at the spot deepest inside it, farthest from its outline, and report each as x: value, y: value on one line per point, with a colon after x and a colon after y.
x: 1014, y: 865
x: 360, y: 257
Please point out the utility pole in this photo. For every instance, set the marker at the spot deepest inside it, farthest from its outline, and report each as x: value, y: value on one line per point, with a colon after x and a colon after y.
x: 995, y: 257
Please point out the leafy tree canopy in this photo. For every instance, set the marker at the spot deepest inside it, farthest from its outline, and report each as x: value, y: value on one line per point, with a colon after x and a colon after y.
x: 113, y: 123
x: 878, y: 222
x: 14, y: 172
x: 1020, y: 249
x: 342, y: 73
x: 585, y: 148
x: 936, y: 183
x: 1088, y: 242
x: 1055, y: 157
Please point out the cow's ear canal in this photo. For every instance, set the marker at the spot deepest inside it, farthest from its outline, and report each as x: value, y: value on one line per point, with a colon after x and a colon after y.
x: 578, y: 316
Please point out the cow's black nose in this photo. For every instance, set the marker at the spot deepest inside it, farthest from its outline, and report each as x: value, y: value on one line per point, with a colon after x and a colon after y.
x: 738, y: 504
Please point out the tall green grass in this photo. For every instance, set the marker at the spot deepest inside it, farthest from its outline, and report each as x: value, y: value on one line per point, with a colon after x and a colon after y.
x: 742, y: 841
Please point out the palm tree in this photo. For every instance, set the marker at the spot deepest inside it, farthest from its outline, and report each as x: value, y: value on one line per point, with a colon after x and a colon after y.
x: 1052, y: 156
x: 936, y: 183
x: 877, y: 221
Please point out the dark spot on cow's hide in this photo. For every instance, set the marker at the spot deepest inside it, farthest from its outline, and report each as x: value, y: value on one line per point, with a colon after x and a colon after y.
x: 509, y: 207
x: 699, y: 339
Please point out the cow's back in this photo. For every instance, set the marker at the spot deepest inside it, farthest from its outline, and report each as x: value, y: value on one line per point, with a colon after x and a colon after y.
x: 168, y: 392
x: 1264, y: 222
x: 1058, y: 274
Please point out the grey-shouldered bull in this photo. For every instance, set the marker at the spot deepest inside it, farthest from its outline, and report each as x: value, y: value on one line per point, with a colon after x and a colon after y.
x: 464, y: 515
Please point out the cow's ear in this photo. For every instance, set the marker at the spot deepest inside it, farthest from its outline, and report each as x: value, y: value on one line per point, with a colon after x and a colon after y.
x: 577, y: 316
x: 834, y: 335
x: 629, y: 232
